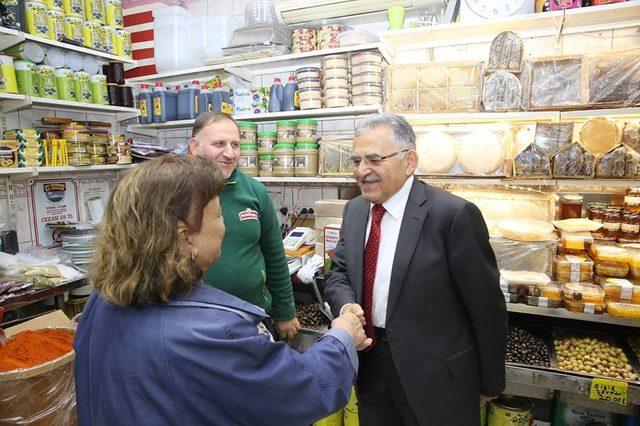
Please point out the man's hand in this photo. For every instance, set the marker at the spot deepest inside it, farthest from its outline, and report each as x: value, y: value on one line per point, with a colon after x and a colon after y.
x: 352, y: 325
x: 485, y: 398
x: 287, y: 329
x: 355, y: 309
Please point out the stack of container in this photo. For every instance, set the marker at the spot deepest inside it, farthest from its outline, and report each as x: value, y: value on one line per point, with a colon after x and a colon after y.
x: 266, y: 149
x: 309, y: 87
x: 335, y: 80
x: 284, y: 150
x: 306, y: 153
x: 366, y: 78
x: 248, y: 162
x: 30, y: 153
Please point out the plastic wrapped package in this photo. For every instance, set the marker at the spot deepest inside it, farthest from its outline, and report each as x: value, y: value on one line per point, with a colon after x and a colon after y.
x: 575, y: 242
x: 610, y: 269
x: 546, y: 296
x: 434, y: 87
x: 631, y: 135
x: 583, y: 292
x: 526, y: 229
x: 609, y: 254
x: 502, y: 91
x: 533, y: 162
x: 577, y: 225
x: 506, y: 53
x: 44, y: 394
x: 599, y: 135
x: 583, y: 307
x: 553, y: 83
x: 573, y: 268
x: 634, y: 262
x: 613, y: 78
x: 334, y: 156
x: 622, y: 162
x: 620, y: 290
x: 513, y: 298
x: 524, y: 256
x: 553, y: 137
x: 623, y: 310
x: 523, y: 278
x: 544, y: 302
x: 475, y: 150
x: 574, y: 161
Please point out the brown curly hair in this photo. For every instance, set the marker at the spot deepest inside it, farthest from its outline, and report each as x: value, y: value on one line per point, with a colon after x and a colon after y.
x: 140, y: 257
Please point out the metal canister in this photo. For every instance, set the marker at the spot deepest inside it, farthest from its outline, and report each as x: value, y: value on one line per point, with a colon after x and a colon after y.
x: 509, y: 411
x: 93, y: 35
x: 123, y: 43
x: 56, y: 22
x: 113, y: 13
x: 94, y: 11
x: 74, y: 28
x: 74, y: 8
x: 109, y: 39
x: 36, y: 18
x: 82, y: 86
x: 47, y: 87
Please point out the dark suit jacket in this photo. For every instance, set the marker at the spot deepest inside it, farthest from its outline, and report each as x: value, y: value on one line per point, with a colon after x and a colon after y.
x: 446, y: 316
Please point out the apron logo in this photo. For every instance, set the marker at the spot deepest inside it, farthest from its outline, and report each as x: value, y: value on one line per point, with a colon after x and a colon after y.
x: 248, y: 214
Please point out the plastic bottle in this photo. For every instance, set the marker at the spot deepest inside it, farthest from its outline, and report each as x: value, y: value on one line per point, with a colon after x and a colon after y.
x: 276, y: 94
x: 159, y: 103
x: 145, y: 103
x: 172, y: 104
x: 188, y: 101
x: 289, y: 97
x: 226, y: 106
x: 205, y: 101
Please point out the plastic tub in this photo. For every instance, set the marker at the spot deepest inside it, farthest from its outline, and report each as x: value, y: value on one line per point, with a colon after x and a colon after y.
x: 82, y: 86
x: 610, y: 269
x: 330, y: 83
x: 544, y: 302
x: 47, y: 87
x: 285, y: 160
x: 248, y: 161
x: 248, y: 131
x: 36, y: 18
x: 217, y: 34
x: 366, y: 67
x: 265, y: 164
x: 370, y: 77
x: 623, y: 310
x: 335, y: 61
x: 286, y: 131
x: 306, y: 129
x: 9, y: 83
x: 573, y: 268
x: 310, y: 83
x: 335, y: 72
x: 550, y: 291
x: 336, y: 92
x: 620, y: 290
x: 367, y: 88
x: 171, y: 26
x: 93, y: 35
x: 56, y: 24
x: 583, y: 292
x: 64, y: 84
x: 74, y: 8
x: 367, y: 99
x: 310, y: 98
x: 583, y: 307
x: 362, y: 57
x: 336, y: 102
x: 74, y: 28
x: 308, y: 72
x: 94, y: 11
x: 266, y: 141
x: 306, y: 164
x: 575, y: 242
x: 113, y: 13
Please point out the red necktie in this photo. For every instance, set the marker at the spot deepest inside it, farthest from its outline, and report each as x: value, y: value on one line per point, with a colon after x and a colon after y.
x: 370, y: 263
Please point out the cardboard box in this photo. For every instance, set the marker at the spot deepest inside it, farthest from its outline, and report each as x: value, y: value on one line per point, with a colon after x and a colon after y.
x: 331, y: 238
x: 52, y: 319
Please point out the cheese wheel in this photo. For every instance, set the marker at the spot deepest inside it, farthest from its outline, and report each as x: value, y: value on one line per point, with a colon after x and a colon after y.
x: 436, y: 152
x: 480, y: 152
x: 599, y: 135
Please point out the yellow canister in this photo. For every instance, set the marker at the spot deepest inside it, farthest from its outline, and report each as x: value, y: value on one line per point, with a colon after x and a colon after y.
x: 93, y: 35
x: 56, y: 23
x: 55, y: 5
x: 94, y: 11
x: 123, y: 43
x: 36, y: 18
x: 8, y: 80
x: 509, y: 411
x: 109, y: 39
x: 74, y: 8
x: 74, y: 28
x: 113, y: 13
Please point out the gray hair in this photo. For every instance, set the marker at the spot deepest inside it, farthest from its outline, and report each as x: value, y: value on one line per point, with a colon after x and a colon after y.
x: 401, y: 130
x: 203, y: 120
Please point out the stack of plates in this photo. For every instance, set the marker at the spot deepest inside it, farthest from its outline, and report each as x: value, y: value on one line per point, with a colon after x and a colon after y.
x: 79, y: 245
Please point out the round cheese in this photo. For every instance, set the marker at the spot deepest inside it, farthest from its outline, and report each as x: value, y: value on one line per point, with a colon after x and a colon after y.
x: 599, y: 135
x: 436, y: 152
x: 480, y: 152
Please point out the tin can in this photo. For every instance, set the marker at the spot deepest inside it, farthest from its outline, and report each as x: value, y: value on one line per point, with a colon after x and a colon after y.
x: 55, y: 5
x: 99, y: 92
x: 56, y: 23
x: 12, y: 14
x: 74, y: 8
x: 509, y: 411
x: 123, y: 43
x: 93, y: 35
x: 94, y: 11
x: 36, y: 18
x: 74, y: 28
x: 109, y: 39
x: 82, y: 86
x: 64, y: 83
x: 47, y: 87
x: 8, y: 81
x: 27, y: 79
x: 113, y: 13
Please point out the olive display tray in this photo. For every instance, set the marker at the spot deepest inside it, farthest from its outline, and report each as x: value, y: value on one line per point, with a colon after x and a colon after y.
x: 542, y: 333
x: 559, y: 333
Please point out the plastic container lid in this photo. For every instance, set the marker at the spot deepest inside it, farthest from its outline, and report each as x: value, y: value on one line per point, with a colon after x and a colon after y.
x: 286, y: 123
x: 524, y: 277
x: 285, y: 146
x: 583, y: 292
x: 265, y: 156
x: 267, y: 134
x: 247, y: 124
x: 248, y: 147
x: 306, y: 145
x: 307, y: 122
x: 307, y: 69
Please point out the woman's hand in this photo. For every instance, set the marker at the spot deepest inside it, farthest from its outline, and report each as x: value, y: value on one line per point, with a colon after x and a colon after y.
x: 352, y: 325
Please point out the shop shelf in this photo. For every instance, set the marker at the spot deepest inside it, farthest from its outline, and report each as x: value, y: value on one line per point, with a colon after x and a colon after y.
x: 563, y: 313
x: 35, y: 171
x: 307, y: 180
x: 27, y: 299
x: 482, y: 117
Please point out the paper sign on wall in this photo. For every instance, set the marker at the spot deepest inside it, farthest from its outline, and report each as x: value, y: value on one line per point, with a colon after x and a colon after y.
x: 52, y: 200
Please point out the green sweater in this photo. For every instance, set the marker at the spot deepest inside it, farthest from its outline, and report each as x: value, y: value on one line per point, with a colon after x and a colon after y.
x: 252, y: 265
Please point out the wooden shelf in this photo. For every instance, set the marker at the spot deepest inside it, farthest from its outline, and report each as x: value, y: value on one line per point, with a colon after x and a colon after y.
x: 563, y: 313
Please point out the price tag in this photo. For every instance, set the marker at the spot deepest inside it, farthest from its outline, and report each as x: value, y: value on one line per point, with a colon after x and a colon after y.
x: 226, y: 108
x: 614, y: 391
x: 543, y: 302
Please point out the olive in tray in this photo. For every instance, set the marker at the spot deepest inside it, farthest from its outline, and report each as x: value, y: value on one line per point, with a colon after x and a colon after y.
x: 525, y: 347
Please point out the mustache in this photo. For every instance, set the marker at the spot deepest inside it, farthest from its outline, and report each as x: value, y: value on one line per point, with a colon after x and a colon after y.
x: 371, y: 177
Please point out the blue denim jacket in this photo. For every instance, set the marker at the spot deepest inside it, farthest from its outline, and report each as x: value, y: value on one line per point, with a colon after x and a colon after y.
x: 201, y: 359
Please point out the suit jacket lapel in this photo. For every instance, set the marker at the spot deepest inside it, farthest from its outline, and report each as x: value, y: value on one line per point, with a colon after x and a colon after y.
x: 410, y: 231
x: 359, y: 233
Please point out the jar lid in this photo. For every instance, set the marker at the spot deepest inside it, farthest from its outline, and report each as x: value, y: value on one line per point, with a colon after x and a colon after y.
x: 246, y: 124
x: 307, y: 69
x: 286, y: 123
x: 308, y: 121
x: 371, y: 73
x: 306, y: 140
x: 339, y: 56
x: 572, y: 198
x: 265, y: 156
x: 285, y: 146
x: 306, y: 145
x: 375, y: 95
x: 248, y: 147
x: 365, y: 84
x: 267, y: 134
x: 310, y: 89
x: 368, y: 63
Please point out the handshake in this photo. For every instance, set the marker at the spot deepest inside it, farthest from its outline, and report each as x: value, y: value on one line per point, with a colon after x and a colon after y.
x: 352, y: 320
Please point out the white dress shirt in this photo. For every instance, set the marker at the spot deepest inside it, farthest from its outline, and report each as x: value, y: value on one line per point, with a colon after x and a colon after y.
x: 389, y: 232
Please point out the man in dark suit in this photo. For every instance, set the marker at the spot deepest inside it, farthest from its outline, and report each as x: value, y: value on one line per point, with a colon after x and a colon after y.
x: 415, y: 264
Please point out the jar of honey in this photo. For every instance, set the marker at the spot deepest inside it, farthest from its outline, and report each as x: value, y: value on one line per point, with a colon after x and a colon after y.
x: 611, y: 223
x: 630, y: 227
x: 632, y: 199
x: 596, y: 212
x: 570, y: 206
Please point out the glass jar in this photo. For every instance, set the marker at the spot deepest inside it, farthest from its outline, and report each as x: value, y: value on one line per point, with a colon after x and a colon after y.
x: 248, y: 132
x: 306, y: 160
x: 630, y: 228
x: 248, y: 161
x: 632, y: 199
x: 596, y: 212
x: 266, y: 142
x: 98, y: 150
x: 286, y: 131
x: 284, y: 160
x: 570, y: 206
x: 265, y: 164
x: 611, y: 223
x: 118, y: 149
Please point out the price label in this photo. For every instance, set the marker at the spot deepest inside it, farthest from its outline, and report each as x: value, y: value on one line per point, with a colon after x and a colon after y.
x: 614, y: 391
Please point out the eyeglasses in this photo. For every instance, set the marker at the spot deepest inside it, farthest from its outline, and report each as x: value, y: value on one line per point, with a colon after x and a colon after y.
x: 373, y: 159
x: 219, y: 215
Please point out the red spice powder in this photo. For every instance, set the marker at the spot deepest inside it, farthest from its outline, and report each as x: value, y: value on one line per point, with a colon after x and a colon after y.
x: 30, y: 348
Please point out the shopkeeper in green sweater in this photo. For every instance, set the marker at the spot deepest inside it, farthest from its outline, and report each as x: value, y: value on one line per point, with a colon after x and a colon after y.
x: 253, y: 265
